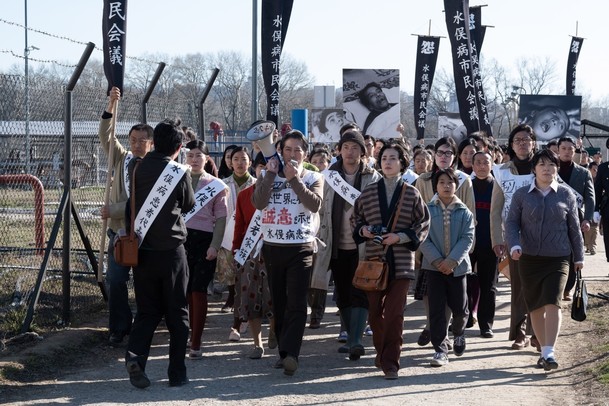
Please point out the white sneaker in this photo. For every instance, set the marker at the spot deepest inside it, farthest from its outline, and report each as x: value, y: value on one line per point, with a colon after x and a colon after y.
x: 243, y: 327
x: 195, y: 354
x: 234, y: 335
x: 439, y: 359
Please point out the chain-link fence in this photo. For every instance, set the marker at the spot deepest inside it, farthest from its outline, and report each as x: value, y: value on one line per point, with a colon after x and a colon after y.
x: 31, y: 188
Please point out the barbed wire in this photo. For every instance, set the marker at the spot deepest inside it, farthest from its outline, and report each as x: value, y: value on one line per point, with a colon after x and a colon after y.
x: 48, y: 34
x: 8, y: 51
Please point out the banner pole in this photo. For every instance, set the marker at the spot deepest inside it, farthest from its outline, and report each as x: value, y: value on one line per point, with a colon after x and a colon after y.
x: 102, y: 244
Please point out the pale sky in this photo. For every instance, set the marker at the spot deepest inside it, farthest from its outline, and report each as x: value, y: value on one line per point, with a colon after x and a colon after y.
x: 328, y: 35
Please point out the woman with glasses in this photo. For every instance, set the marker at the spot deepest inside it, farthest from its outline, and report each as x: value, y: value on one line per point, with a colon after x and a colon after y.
x: 445, y: 157
x: 509, y: 177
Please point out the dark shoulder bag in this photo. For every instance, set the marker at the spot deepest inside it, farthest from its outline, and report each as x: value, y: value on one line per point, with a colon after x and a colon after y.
x: 372, y: 275
x: 126, y: 245
x: 579, y: 307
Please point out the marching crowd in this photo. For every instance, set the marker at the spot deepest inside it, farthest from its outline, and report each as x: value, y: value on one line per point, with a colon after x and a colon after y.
x: 442, y: 219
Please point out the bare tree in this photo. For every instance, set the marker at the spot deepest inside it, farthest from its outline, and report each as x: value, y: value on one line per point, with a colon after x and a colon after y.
x: 536, y: 75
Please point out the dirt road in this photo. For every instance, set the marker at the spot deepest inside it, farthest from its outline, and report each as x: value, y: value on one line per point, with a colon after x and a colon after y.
x: 489, y: 373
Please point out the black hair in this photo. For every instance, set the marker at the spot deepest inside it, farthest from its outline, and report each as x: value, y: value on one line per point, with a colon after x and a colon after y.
x: 189, y: 133
x: 143, y: 127
x: 402, y: 155
x: 565, y: 138
x: 520, y: 128
x: 450, y: 172
x: 464, y: 144
x: 197, y: 144
x: 258, y: 160
x: 369, y: 137
x: 224, y: 171
x: 322, y: 151
x: 453, y: 147
x: 483, y: 152
x: 240, y: 148
x: 363, y: 98
x: 546, y: 154
x: 297, y: 135
x: 168, y: 136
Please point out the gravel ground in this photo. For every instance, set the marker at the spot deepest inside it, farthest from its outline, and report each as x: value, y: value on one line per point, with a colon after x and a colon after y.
x: 488, y: 373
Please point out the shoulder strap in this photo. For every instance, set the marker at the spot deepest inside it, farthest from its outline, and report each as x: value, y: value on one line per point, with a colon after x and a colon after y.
x: 396, y: 212
x: 132, y: 197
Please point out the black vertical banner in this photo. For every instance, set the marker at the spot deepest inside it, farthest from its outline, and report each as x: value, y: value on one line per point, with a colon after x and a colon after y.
x: 427, y: 57
x: 468, y: 81
x: 476, y: 29
x: 114, y: 34
x: 574, y: 50
x: 274, y: 26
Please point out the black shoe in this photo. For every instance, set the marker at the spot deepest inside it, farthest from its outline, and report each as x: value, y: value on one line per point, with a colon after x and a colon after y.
x: 116, y: 338
x: 178, y: 382
x: 487, y: 333
x: 315, y: 324
x: 549, y: 363
x: 424, y: 338
x: 137, y: 376
x: 356, y: 352
x: 540, y: 363
x: 459, y: 345
x: 278, y: 364
x: 290, y: 365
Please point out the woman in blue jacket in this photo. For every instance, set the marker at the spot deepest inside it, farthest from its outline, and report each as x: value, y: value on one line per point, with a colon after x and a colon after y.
x: 447, y: 263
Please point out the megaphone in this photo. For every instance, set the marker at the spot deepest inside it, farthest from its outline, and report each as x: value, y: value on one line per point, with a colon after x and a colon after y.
x: 262, y: 132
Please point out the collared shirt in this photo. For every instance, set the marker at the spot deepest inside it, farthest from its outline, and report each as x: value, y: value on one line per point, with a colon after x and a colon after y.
x: 553, y: 186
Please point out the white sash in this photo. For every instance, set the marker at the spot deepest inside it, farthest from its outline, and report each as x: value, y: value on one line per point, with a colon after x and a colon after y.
x: 160, y: 192
x: 462, y: 177
x: 580, y: 198
x: 409, y: 176
x: 251, y: 238
x: 126, y: 179
x: 204, y: 196
x: 509, y: 184
x: 341, y: 186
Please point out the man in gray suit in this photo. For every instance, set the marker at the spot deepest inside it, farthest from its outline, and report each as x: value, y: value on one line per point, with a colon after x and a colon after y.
x: 580, y: 180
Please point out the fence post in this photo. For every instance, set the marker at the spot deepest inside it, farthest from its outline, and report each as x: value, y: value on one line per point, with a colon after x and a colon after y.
x: 67, y: 182
x: 206, y: 91
x: 151, y: 86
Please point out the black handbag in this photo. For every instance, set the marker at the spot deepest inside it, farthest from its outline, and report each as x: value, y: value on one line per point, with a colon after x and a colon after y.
x: 579, y: 307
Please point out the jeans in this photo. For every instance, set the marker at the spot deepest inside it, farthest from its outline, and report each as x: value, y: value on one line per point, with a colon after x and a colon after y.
x: 117, y: 276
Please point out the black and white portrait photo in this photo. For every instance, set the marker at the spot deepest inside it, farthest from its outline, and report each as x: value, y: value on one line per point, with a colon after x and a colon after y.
x: 450, y: 125
x: 326, y: 124
x: 551, y: 117
x: 371, y: 99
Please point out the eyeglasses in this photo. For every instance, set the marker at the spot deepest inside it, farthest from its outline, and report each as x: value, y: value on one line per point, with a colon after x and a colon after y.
x: 141, y: 141
x: 445, y: 153
x: 522, y: 140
